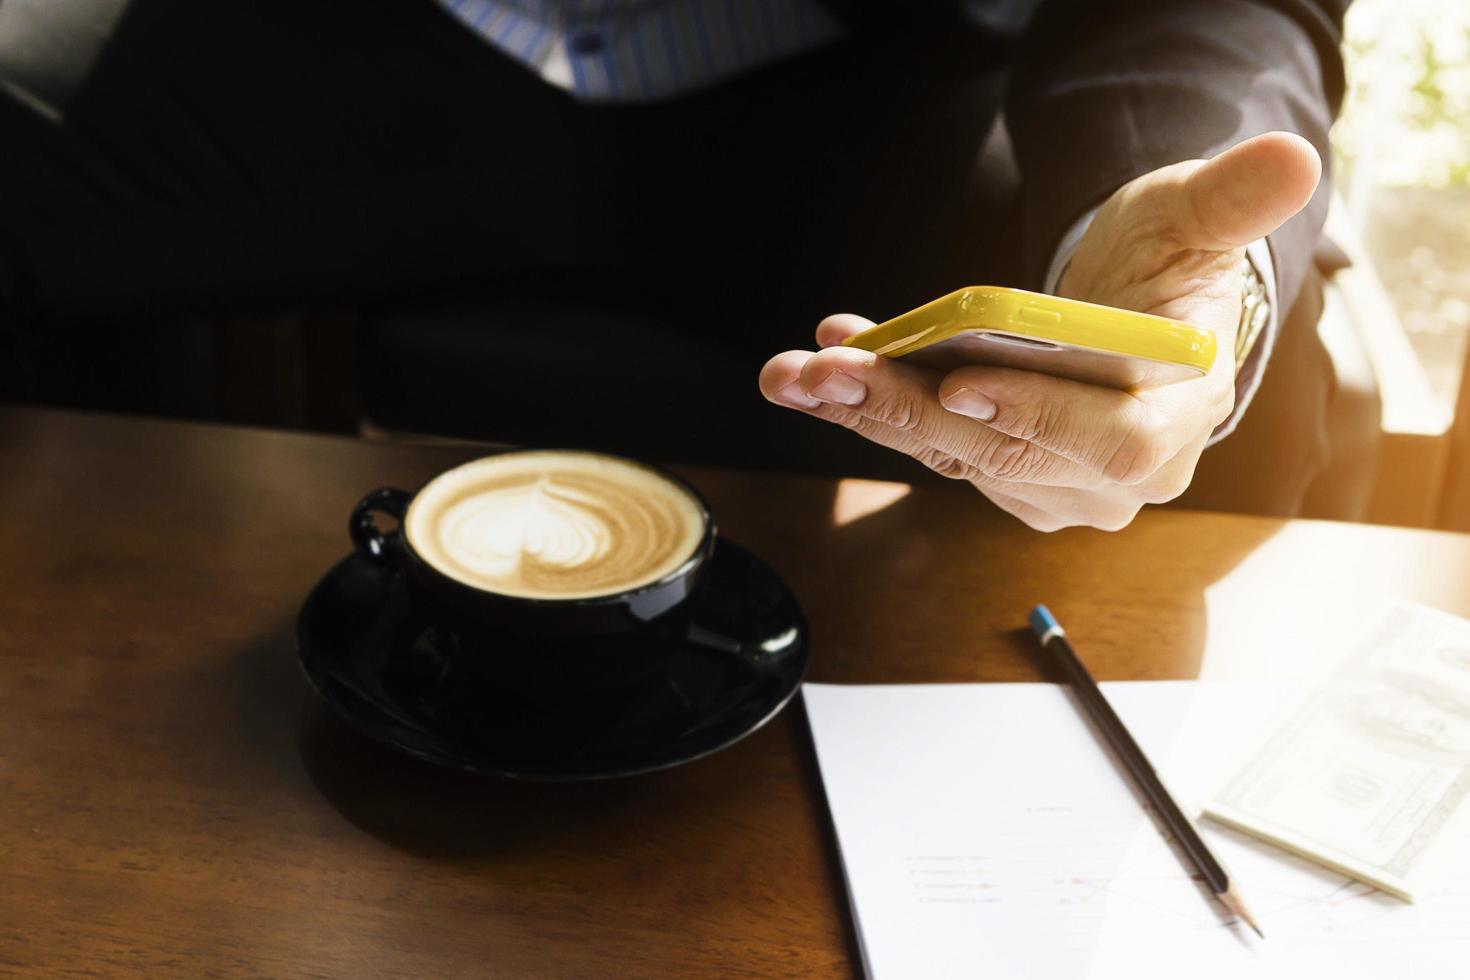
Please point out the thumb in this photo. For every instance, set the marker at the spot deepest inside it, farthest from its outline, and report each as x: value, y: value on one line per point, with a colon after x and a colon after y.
x: 1247, y: 192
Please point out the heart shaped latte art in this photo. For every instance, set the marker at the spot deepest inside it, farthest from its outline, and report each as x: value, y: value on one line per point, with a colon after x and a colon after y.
x: 555, y: 525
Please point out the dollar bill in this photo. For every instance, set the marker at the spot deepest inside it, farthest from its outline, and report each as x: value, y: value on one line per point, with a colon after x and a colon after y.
x: 1368, y: 771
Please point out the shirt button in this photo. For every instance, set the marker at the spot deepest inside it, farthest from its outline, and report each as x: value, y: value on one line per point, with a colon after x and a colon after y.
x: 587, y: 42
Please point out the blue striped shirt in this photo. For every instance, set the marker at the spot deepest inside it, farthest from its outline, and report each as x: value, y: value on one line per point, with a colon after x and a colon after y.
x: 645, y: 50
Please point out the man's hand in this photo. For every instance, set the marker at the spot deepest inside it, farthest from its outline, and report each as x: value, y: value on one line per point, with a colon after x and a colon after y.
x: 1057, y: 453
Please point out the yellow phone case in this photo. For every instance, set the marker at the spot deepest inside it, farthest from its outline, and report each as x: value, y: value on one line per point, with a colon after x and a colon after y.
x: 1014, y: 327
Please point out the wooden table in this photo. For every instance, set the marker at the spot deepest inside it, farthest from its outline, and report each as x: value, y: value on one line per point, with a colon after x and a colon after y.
x: 174, y: 801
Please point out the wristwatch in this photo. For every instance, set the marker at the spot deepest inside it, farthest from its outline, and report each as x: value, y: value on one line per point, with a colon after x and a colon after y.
x: 1255, y: 310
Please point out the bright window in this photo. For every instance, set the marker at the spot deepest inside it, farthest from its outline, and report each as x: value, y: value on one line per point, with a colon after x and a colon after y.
x: 1402, y: 157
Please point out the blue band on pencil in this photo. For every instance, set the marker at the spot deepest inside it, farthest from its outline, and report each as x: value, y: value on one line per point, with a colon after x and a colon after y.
x: 1044, y: 624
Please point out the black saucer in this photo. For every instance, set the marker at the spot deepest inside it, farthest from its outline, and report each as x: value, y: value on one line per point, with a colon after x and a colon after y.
x: 736, y: 653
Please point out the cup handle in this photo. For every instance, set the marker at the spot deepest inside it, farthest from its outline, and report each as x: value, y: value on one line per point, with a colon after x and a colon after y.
x: 363, y: 526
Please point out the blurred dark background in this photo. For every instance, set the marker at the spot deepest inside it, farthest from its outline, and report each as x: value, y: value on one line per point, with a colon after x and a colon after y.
x: 644, y: 354
x: 404, y: 288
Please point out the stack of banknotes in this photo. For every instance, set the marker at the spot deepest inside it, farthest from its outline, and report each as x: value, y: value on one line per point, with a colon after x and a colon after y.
x: 1368, y: 770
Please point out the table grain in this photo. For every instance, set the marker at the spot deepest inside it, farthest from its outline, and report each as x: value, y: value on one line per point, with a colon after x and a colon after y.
x: 174, y: 801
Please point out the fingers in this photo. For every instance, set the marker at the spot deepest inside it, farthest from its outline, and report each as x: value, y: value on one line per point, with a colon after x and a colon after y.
x: 838, y: 327
x: 1108, y: 509
x: 1052, y: 452
x: 1054, y: 508
x: 1027, y: 513
x: 1247, y: 192
x: 780, y: 380
x: 1110, y: 433
x: 896, y: 406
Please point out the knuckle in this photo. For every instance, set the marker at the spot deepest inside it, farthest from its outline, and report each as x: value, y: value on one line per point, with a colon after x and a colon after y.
x: 1044, y: 522
x: 1038, y: 422
x: 1158, y: 495
x: 899, y: 411
x: 1034, y: 518
x: 1010, y: 458
x: 946, y: 465
x: 1136, y: 456
x: 1163, y: 491
x: 1117, y: 518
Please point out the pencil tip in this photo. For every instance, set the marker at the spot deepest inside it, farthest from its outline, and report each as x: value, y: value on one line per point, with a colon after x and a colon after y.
x: 1232, y: 900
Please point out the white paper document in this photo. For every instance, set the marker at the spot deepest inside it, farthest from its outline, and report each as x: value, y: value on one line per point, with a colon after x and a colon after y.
x: 986, y: 832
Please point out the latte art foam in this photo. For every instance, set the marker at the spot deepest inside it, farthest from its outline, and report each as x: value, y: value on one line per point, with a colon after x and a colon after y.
x: 554, y: 525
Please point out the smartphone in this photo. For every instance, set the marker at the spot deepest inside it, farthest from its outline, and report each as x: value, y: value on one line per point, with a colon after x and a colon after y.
x: 1036, y: 332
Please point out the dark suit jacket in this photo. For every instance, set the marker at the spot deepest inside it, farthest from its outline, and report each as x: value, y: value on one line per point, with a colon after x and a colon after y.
x: 1106, y: 90
x: 280, y: 155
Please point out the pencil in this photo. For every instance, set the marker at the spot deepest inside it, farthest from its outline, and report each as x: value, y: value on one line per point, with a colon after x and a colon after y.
x: 1054, y: 641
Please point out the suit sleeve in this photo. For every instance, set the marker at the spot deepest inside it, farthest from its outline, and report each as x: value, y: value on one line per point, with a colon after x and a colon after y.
x: 1107, y: 90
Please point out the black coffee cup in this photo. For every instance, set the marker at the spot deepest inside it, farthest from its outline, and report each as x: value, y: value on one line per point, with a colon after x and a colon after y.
x: 466, y: 605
